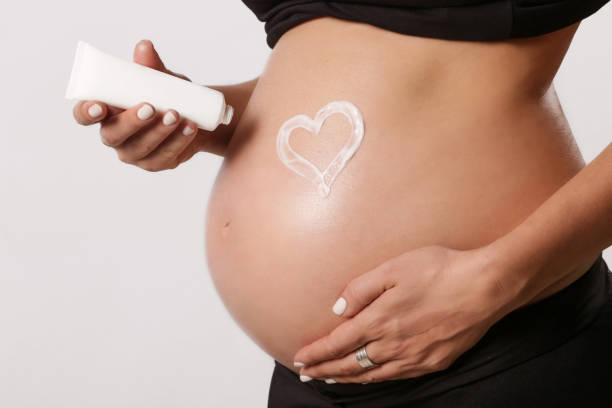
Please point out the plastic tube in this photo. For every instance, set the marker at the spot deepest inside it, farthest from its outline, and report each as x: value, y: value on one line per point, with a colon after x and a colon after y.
x: 99, y: 76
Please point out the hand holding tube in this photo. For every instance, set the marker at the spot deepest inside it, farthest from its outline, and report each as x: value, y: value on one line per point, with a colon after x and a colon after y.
x: 142, y: 136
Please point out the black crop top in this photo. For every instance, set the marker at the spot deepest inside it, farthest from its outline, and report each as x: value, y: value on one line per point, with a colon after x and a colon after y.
x: 469, y: 20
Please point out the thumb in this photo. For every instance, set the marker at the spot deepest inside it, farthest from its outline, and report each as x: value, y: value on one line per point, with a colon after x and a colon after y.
x: 145, y: 54
x: 364, y: 289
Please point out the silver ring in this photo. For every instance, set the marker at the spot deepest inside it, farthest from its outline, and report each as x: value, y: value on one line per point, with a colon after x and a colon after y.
x: 362, y: 358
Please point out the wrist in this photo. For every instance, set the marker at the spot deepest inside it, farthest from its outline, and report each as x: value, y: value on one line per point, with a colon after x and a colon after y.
x: 512, y: 264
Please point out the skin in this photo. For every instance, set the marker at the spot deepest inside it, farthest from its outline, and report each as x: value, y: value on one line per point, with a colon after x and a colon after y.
x: 418, y: 323
x: 465, y: 219
x: 463, y: 142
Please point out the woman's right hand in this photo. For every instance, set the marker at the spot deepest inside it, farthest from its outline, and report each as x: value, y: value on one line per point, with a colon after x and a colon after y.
x: 141, y: 136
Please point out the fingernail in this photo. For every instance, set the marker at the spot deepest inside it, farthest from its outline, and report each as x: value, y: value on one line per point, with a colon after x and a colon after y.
x: 305, y: 378
x: 188, y: 130
x: 145, y: 112
x: 339, y: 306
x: 330, y: 381
x: 298, y: 364
x: 94, y: 110
x: 169, y: 118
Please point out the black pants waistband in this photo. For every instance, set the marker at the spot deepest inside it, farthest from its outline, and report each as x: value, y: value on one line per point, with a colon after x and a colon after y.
x: 517, y: 337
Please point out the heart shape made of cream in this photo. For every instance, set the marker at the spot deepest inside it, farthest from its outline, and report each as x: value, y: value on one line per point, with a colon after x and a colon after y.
x: 322, y: 179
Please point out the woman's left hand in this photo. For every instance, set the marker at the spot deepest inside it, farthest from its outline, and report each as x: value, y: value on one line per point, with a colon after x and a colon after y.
x: 417, y: 313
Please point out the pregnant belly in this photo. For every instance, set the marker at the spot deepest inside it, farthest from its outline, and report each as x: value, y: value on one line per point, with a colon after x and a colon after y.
x: 441, y: 162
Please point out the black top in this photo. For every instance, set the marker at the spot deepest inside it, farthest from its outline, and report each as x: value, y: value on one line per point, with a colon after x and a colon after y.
x: 468, y: 20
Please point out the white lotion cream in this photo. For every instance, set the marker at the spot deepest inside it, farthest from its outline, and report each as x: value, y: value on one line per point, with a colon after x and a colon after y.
x: 99, y: 76
x: 323, y: 180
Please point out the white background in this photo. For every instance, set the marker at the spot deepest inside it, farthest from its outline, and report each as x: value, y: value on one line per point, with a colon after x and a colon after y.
x: 105, y: 298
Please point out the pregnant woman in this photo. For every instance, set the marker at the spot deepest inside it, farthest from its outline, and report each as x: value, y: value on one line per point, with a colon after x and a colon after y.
x: 452, y: 255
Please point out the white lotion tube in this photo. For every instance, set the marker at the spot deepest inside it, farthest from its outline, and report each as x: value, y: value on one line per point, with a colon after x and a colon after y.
x: 99, y: 76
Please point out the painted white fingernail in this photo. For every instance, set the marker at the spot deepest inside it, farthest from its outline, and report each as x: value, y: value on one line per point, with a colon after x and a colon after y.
x: 145, y: 112
x: 94, y: 110
x: 330, y: 381
x: 188, y: 130
x: 339, y: 306
x: 298, y: 364
x: 169, y: 118
x: 305, y: 378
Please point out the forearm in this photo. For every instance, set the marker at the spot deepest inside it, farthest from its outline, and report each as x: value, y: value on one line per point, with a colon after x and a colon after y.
x: 236, y: 95
x: 562, y: 235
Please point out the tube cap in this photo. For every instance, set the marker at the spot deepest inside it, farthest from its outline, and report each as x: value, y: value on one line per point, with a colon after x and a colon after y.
x: 227, y: 115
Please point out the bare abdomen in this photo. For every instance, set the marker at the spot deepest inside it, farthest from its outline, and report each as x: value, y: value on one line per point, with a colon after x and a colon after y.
x: 440, y: 163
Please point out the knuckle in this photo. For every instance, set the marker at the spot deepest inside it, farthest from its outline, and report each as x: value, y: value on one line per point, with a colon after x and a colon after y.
x: 122, y: 156
x: 344, y: 370
x: 393, y: 325
x: 431, y: 366
x: 389, y: 269
x: 395, y: 347
x: 350, y: 291
x: 415, y: 356
x: 421, y: 352
x: 110, y: 141
x: 109, y: 137
x: 331, y: 346
x: 105, y: 135
x: 148, y: 166
x: 78, y: 115
x: 405, y: 366
x: 167, y: 154
x: 437, y: 365
x: 144, y: 148
x: 375, y: 324
x: 172, y: 164
x: 369, y: 378
x: 440, y: 333
x: 353, y: 295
